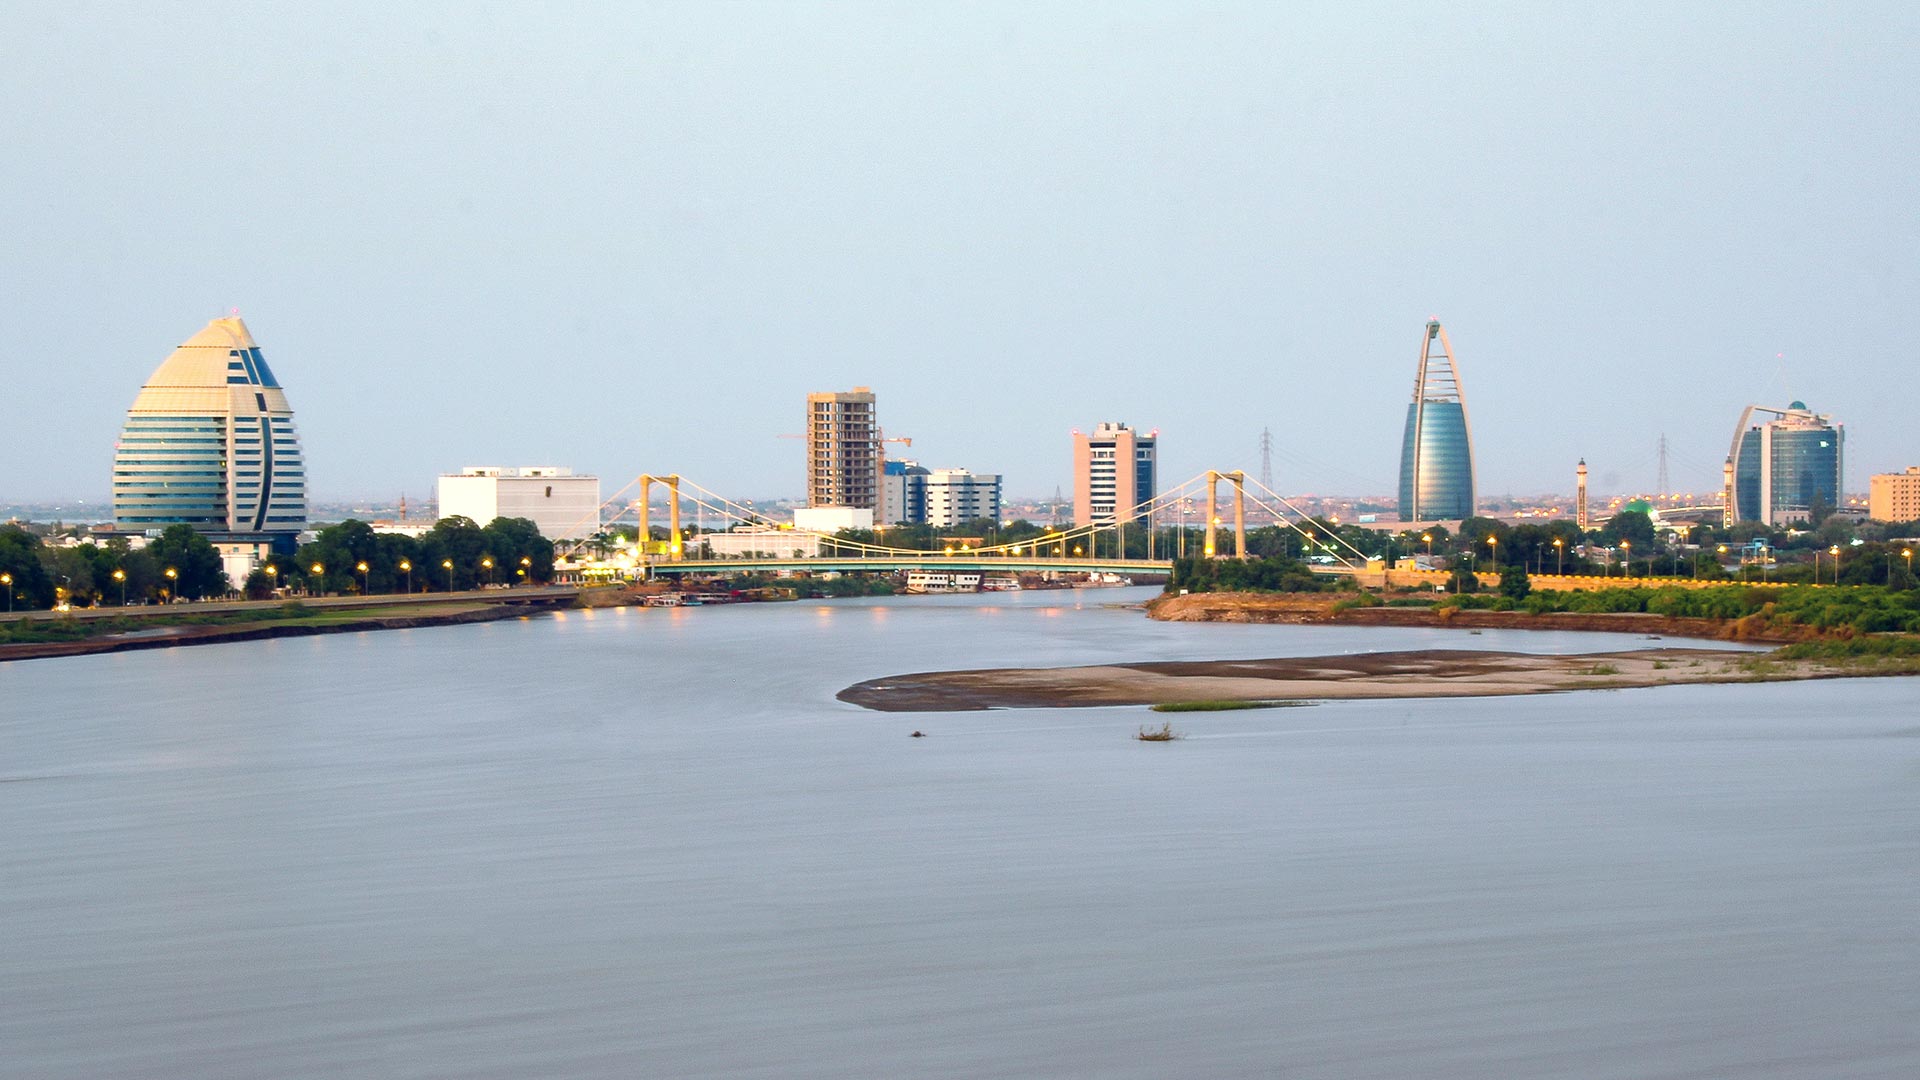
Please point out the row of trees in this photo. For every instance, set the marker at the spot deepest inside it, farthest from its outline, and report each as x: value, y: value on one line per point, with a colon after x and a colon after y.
x: 455, y: 554
x: 180, y: 563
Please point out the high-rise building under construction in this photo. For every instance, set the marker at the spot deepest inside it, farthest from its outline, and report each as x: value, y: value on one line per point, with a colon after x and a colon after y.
x: 843, y: 450
x: 1436, y: 454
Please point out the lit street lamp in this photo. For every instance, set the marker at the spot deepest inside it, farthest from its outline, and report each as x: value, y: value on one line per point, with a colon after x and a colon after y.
x: 1835, y: 552
x: 1559, y: 556
x: 526, y: 569
x: 1908, y: 552
x: 406, y: 567
x: 487, y: 565
x: 362, y: 567
x: 121, y: 577
x: 447, y: 565
x: 172, y: 577
x: 7, y: 580
x: 319, y: 572
x: 1626, y: 557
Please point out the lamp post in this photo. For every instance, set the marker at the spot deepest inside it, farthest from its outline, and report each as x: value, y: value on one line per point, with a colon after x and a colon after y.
x: 406, y: 567
x: 362, y: 567
x: 447, y: 565
x: 121, y: 577
x: 173, y: 576
x: 1908, y: 552
x: 1428, y: 537
x: 487, y: 565
x: 526, y: 568
x: 273, y: 577
x: 7, y: 580
x: 319, y: 572
x: 1835, y: 552
x: 1722, y: 552
x: 1559, y: 556
x: 1492, y: 551
x: 1626, y: 557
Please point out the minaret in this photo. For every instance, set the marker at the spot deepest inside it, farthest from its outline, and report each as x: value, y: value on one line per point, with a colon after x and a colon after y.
x: 1726, y: 494
x: 1580, y: 495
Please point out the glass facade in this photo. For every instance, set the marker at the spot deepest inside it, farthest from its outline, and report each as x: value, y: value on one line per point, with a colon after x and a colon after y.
x: 210, y: 442
x: 1436, y: 463
x: 1784, y: 466
x: 1436, y: 449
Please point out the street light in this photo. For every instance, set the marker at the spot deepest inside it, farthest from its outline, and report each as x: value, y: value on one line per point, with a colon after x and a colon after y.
x: 447, y: 564
x: 319, y: 572
x: 362, y: 567
x: 1908, y: 552
x: 406, y: 567
x: 1835, y: 552
x: 526, y: 569
x: 1428, y: 537
x: 487, y: 565
x: 121, y: 577
x: 1559, y: 556
x: 7, y: 580
x: 172, y: 577
x: 1626, y: 557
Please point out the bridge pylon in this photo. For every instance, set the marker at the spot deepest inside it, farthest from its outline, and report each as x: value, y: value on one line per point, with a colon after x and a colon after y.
x: 673, y: 513
x: 1239, y: 481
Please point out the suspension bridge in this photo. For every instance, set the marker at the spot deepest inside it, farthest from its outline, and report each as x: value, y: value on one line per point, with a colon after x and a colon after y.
x: 1163, y: 528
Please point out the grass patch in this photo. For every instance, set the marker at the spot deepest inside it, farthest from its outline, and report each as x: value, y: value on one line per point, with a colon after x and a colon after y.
x: 1599, y: 669
x: 1217, y: 705
x: 1163, y: 733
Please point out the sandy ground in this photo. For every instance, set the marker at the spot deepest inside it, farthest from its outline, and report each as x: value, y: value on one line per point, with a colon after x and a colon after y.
x: 1427, y: 673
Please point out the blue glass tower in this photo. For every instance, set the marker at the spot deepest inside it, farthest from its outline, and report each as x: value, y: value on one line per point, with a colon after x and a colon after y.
x: 1784, y: 466
x: 1436, y: 452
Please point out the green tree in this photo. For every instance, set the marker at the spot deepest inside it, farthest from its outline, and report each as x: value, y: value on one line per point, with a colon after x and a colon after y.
x: 1633, y: 526
x: 510, y: 540
x: 197, y: 567
x: 20, y: 559
x: 71, y: 572
x: 1514, y: 582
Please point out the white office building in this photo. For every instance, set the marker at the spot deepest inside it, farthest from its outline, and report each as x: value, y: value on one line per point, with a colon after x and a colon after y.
x: 956, y: 496
x: 562, y: 505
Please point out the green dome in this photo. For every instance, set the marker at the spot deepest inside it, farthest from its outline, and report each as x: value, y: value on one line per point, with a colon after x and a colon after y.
x: 1640, y: 506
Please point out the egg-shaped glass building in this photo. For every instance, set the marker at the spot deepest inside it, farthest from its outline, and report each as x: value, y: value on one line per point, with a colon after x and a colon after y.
x: 210, y: 442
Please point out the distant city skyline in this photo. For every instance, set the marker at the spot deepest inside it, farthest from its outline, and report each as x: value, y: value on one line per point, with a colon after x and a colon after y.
x: 674, y: 222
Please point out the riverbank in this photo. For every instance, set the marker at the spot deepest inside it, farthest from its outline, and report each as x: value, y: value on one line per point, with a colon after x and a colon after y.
x: 1317, y: 608
x: 275, y: 624
x: 1417, y: 674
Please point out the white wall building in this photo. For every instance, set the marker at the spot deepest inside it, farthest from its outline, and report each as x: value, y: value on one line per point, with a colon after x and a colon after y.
x: 564, y: 506
x: 832, y: 519
x: 758, y: 543
x: 956, y: 496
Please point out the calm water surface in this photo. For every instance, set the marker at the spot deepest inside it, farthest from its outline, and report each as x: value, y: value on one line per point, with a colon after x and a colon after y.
x: 651, y: 843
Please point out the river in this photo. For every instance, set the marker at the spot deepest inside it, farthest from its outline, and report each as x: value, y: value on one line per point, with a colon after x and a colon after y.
x: 650, y: 843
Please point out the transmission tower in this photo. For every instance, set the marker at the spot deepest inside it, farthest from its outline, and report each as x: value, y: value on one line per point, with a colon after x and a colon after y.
x: 1664, y: 485
x: 1266, y: 458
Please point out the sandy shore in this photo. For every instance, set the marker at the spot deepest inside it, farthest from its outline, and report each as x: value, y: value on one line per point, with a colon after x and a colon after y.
x: 1425, y: 673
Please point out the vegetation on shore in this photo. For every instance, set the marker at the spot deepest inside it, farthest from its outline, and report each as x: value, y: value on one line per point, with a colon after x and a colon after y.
x: 291, y: 613
x: 1163, y: 733
x: 1223, y: 705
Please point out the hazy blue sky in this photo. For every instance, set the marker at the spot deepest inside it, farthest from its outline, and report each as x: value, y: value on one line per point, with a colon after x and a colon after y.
x: 631, y: 238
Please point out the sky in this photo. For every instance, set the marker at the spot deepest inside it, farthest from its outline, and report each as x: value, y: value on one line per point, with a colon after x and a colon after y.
x: 631, y: 238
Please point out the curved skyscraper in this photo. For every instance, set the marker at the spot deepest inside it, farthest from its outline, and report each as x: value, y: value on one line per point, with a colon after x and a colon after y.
x: 210, y: 443
x: 1782, y: 467
x: 1436, y: 454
